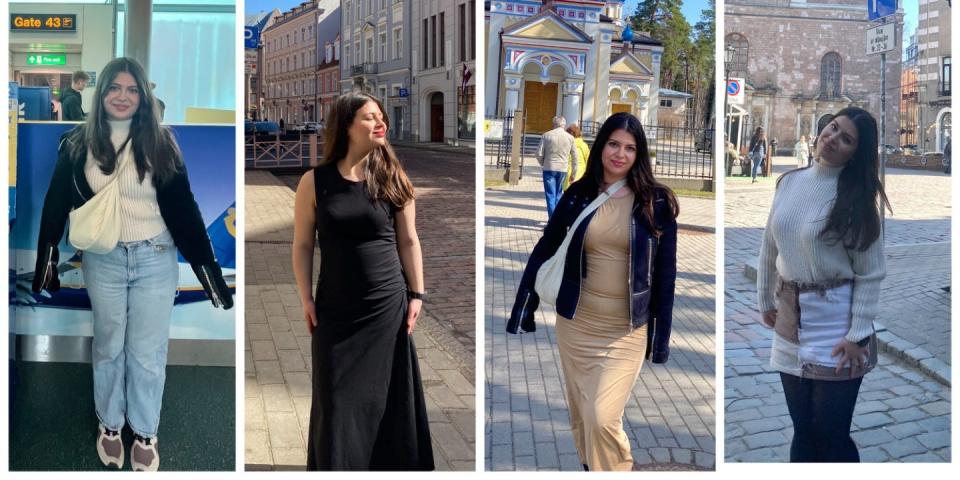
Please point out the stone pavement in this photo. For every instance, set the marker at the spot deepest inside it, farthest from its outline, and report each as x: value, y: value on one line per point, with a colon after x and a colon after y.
x: 903, y: 413
x: 670, y: 416
x: 277, y: 348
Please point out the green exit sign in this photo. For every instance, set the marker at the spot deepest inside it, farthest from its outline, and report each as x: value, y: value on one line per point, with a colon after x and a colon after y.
x: 46, y: 59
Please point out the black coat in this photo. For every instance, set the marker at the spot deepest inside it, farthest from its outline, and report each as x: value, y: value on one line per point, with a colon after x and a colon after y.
x: 653, y: 270
x: 69, y: 189
x: 70, y: 104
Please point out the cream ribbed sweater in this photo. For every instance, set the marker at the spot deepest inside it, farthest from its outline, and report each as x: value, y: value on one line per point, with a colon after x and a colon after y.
x: 793, y: 248
x: 139, y: 210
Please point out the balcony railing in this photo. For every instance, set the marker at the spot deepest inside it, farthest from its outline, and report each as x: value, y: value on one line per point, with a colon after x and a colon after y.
x: 363, y: 69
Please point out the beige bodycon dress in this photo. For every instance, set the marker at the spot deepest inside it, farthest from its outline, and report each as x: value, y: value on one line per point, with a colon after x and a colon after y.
x: 600, y: 355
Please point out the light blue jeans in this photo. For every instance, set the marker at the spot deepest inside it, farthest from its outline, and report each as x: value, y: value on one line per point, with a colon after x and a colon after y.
x: 553, y: 189
x: 131, y: 290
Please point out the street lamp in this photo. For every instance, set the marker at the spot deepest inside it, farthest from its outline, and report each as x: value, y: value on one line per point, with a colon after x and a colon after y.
x: 728, y: 54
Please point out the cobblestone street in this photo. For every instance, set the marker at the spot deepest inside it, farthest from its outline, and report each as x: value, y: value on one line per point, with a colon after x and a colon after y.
x: 277, y: 346
x: 670, y: 416
x: 903, y: 412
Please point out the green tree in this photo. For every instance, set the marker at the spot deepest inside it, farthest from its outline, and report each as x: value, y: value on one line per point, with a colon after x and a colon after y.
x: 663, y: 20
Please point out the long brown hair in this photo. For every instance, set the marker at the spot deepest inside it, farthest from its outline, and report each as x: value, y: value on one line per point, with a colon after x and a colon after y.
x: 639, y: 177
x: 385, y: 178
x: 154, y: 147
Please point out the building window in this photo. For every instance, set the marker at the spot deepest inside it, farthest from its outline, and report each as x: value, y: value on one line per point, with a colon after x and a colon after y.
x: 433, y: 41
x: 945, y: 77
x: 383, y: 46
x: 741, y: 48
x: 830, y: 75
x: 466, y: 113
x: 443, y: 41
x: 472, y: 12
x: 666, y: 103
x: 426, y: 51
x: 462, y: 34
x: 397, y: 43
x: 369, y: 58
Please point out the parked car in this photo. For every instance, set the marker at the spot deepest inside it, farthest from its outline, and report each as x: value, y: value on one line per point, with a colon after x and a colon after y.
x: 704, y: 142
x: 264, y: 127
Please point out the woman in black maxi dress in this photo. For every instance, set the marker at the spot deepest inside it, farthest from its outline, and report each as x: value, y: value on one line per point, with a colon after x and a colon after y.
x: 368, y: 410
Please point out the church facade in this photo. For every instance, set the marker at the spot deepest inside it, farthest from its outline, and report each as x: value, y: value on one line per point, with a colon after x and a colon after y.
x: 570, y: 58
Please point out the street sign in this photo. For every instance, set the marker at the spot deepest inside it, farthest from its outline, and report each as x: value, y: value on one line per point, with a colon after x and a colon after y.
x: 877, y: 9
x: 42, y: 22
x: 881, y: 39
x: 404, y: 92
x: 735, y: 91
x: 251, y: 37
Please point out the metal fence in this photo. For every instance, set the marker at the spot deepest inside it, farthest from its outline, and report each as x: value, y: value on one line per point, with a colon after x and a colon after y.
x: 280, y: 151
x: 679, y: 151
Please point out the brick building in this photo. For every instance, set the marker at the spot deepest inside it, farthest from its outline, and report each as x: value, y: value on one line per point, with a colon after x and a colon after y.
x: 804, y: 60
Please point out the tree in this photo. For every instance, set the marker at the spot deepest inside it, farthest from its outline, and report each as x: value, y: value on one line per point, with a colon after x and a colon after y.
x: 663, y: 20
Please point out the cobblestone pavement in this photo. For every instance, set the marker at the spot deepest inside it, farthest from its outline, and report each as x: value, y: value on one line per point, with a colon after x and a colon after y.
x: 903, y: 413
x: 277, y: 347
x: 670, y: 416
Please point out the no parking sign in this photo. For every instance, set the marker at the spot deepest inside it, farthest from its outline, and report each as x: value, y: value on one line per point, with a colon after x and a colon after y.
x: 735, y: 87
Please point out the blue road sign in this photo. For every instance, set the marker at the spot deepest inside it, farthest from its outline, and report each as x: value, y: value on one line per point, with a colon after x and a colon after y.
x: 733, y: 88
x: 878, y: 9
x: 404, y: 92
x: 251, y: 37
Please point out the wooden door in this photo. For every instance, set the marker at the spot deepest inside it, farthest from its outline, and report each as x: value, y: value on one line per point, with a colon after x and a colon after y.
x: 620, y: 107
x: 540, y: 105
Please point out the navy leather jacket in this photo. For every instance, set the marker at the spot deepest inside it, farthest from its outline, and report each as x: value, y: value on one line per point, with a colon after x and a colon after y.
x: 653, y: 270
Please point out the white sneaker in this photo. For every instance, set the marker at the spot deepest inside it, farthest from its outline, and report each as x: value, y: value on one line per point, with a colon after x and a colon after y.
x: 143, y: 454
x: 110, y: 447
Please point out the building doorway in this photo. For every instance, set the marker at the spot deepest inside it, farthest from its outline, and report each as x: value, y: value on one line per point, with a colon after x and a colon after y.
x: 540, y: 104
x: 436, y: 117
x: 620, y: 107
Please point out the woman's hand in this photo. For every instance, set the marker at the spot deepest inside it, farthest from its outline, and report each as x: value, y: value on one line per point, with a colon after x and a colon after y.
x: 413, y: 313
x: 770, y: 318
x: 310, y: 315
x: 850, y: 353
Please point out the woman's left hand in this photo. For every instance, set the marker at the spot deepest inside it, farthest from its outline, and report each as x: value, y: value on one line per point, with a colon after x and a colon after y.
x: 413, y: 313
x: 850, y: 354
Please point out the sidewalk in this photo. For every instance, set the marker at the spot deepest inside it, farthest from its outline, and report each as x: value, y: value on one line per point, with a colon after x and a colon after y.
x: 903, y: 412
x: 669, y: 419
x: 277, y: 350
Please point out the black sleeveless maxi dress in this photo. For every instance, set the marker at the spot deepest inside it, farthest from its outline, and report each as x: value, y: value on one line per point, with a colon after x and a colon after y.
x: 368, y: 410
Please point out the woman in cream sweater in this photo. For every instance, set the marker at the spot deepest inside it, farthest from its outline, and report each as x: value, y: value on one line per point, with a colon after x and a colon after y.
x: 821, y: 264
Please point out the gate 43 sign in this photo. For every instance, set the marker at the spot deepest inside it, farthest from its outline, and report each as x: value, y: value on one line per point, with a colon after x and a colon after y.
x: 735, y: 91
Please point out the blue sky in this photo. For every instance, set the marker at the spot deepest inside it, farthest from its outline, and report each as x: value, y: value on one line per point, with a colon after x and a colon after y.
x: 691, y: 9
x: 254, y: 6
x: 911, y: 13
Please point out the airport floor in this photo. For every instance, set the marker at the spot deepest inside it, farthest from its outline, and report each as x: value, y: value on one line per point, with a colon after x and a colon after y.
x: 53, y: 425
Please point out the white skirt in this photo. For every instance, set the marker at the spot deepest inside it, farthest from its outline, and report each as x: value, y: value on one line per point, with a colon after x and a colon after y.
x: 824, y: 321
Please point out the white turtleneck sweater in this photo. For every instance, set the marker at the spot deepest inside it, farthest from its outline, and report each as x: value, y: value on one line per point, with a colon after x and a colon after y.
x: 139, y: 210
x: 792, y: 247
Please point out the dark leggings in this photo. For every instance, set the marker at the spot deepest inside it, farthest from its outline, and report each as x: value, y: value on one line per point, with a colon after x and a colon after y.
x: 821, y: 411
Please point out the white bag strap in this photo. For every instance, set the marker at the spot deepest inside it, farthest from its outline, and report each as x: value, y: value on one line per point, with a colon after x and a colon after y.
x: 595, y: 204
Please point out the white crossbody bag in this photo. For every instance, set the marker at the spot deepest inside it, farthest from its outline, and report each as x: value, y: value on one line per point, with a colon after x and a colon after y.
x: 550, y: 275
x: 95, y: 226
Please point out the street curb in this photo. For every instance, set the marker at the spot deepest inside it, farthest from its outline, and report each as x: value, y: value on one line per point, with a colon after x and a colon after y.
x: 696, y: 228
x: 434, y: 147
x: 891, y: 343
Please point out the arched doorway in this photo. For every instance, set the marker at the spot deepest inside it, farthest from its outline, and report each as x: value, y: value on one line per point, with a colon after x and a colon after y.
x: 944, y: 122
x: 541, y: 97
x: 436, y: 117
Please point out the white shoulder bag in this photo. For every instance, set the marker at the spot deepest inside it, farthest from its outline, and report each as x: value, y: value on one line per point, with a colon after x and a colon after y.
x: 95, y: 226
x: 550, y: 274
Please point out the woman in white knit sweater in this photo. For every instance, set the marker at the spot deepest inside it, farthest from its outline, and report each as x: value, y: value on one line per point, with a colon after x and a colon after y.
x: 820, y: 268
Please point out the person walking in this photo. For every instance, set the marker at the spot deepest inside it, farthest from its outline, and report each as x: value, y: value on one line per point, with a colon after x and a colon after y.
x: 821, y: 264
x: 575, y: 172
x: 132, y: 282
x: 71, y: 102
x: 757, y: 152
x: 557, y: 154
x: 368, y: 410
x: 801, y: 151
x: 615, y: 301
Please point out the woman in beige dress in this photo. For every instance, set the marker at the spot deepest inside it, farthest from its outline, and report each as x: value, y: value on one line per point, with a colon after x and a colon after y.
x: 614, y: 307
